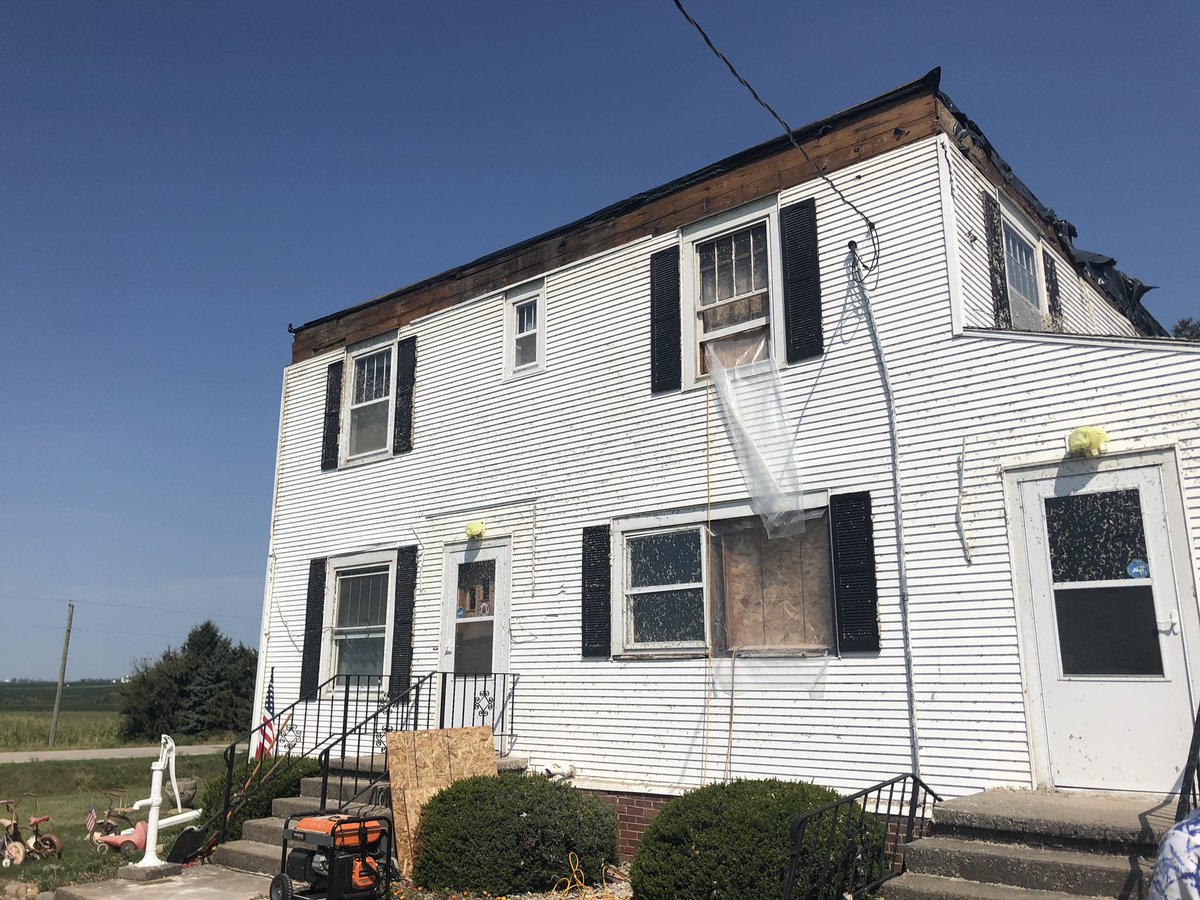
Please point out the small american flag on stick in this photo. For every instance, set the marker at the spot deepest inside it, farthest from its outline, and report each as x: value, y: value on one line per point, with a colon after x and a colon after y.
x: 89, y: 823
x: 266, y: 741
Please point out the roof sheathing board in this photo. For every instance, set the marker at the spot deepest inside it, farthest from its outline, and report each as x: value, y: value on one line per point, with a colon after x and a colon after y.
x: 891, y: 120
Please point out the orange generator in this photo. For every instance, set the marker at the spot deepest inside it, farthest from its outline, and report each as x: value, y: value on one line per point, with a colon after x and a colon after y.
x: 338, y: 857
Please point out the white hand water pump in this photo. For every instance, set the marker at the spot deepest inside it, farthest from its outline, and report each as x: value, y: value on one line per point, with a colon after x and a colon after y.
x: 166, y: 758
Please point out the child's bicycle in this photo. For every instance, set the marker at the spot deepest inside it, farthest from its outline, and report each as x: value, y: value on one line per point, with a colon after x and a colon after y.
x: 41, y: 846
x: 12, y: 848
x: 116, y: 819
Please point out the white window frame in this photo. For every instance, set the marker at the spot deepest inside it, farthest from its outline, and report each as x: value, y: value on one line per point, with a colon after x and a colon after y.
x: 534, y: 291
x: 765, y: 210
x: 678, y: 520
x: 378, y: 559
x: 1009, y: 216
x: 359, y: 351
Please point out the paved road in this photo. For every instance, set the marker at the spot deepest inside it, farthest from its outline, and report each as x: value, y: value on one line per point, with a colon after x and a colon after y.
x: 23, y: 756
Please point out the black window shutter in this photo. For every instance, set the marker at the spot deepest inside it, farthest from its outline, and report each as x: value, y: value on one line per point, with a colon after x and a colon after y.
x: 801, y: 281
x: 995, y: 241
x: 406, y: 380
x: 332, y: 429
x: 402, y: 621
x: 1053, y: 299
x: 856, y: 595
x: 597, y: 591
x: 314, y: 621
x: 665, y: 349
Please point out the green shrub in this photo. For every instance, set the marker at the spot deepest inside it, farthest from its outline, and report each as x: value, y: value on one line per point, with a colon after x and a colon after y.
x: 511, y: 834
x: 279, y: 777
x: 733, y: 840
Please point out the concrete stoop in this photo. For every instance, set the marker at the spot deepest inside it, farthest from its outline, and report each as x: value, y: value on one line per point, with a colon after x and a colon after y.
x: 258, y: 851
x: 1039, y: 845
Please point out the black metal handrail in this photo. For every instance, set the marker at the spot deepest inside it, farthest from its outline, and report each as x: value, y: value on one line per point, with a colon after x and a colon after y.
x: 1189, y: 790
x: 302, y: 730
x: 471, y: 701
x: 855, y: 844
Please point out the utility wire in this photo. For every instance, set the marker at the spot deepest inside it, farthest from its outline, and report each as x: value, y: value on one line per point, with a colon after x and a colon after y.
x: 164, y: 609
x: 791, y: 135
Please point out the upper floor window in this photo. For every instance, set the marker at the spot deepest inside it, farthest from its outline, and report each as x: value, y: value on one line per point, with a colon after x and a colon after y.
x: 1021, y: 274
x: 731, y: 287
x: 370, y: 403
x: 524, y: 329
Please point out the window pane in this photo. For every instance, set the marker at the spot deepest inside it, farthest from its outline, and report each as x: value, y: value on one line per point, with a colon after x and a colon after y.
x: 525, y: 351
x: 362, y: 598
x: 708, y: 274
x: 1095, y: 537
x: 1108, y: 631
x: 772, y: 592
x: 744, y: 309
x: 373, y: 376
x: 359, y: 655
x: 476, y: 589
x: 742, y: 276
x: 668, y: 616
x: 1019, y: 266
x: 671, y: 558
x: 473, y: 647
x: 368, y: 427
x: 759, y: 237
x: 724, y: 268
x: 526, y: 317
x: 738, y: 350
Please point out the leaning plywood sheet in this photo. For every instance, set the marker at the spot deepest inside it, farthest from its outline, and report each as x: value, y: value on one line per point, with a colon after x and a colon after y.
x: 421, y: 763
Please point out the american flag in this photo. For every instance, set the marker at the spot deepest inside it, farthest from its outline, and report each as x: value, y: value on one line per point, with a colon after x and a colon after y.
x: 89, y: 823
x: 266, y: 741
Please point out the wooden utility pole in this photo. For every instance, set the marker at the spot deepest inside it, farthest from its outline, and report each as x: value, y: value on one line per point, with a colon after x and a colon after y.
x: 62, y: 673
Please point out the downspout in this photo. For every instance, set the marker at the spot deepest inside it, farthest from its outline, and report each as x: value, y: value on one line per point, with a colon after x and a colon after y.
x: 856, y: 273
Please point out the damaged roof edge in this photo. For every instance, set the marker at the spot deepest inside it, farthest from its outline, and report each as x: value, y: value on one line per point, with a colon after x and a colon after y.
x: 926, y: 84
x: 1124, y: 291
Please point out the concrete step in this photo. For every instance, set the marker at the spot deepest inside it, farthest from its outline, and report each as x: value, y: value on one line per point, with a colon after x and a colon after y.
x: 1094, y: 822
x: 265, y: 831
x: 291, y: 806
x: 912, y: 886
x: 1037, y: 868
x: 249, y: 856
x: 344, y: 787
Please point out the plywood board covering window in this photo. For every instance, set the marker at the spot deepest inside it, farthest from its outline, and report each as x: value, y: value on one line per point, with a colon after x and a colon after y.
x: 771, y: 593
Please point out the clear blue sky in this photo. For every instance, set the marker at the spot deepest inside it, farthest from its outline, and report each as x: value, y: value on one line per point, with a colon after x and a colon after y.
x: 179, y: 181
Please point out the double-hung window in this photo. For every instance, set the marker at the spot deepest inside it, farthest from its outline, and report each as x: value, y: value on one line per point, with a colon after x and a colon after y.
x: 370, y: 403
x: 524, y: 329
x: 359, y: 626
x: 726, y: 586
x: 731, y: 289
x: 1021, y: 274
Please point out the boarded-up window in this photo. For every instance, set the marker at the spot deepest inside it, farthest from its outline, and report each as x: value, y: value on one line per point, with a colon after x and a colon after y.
x: 771, y: 593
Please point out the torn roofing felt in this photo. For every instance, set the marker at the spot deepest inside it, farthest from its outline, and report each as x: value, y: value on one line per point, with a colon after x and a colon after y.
x: 1122, y: 289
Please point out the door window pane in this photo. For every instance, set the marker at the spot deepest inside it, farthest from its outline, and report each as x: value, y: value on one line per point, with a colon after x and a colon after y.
x: 476, y: 589
x: 473, y: 647
x: 1108, y: 631
x: 1094, y: 537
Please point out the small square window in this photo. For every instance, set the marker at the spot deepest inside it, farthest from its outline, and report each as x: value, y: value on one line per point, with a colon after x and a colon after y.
x: 524, y: 331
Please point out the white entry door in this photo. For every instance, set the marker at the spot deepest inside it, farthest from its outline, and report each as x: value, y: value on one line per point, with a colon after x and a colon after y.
x: 1109, y: 628
x: 475, y: 634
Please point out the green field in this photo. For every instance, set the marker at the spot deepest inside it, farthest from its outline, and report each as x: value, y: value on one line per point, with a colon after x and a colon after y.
x: 65, y: 789
x: 88, y: 718
x: 38, y: 696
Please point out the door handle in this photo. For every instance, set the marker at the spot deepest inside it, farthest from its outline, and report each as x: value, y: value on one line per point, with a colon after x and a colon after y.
x: 1171, y: 625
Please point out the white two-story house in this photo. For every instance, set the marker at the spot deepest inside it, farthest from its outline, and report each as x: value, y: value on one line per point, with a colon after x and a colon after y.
x: 523, y: 466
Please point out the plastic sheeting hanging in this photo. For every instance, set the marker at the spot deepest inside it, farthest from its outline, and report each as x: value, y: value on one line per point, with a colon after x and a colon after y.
x: 751, y: 401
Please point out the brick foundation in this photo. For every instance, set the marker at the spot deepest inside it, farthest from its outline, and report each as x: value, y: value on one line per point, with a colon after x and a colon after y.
x: 634, y: 812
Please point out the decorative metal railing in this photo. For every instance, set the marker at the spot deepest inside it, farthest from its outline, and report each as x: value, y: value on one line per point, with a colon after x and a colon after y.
x: 1189, y: 790
x: 316, y: 721
x: 853, y: 845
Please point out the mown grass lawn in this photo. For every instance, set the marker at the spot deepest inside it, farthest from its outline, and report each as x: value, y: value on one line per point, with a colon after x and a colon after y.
x: 66, y: 788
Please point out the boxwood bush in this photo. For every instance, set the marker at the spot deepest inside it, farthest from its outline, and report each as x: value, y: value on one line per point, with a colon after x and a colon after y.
x: 276, y: 778
x: 733, y: 840
x: 510, y: 834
